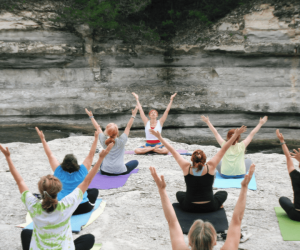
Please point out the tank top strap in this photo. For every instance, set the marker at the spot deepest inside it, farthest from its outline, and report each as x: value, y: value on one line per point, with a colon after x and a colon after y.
x: 190, y: 169
x: 207, y: 169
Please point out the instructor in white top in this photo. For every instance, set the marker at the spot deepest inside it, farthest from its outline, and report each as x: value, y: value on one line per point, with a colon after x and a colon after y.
x: 152, y: 143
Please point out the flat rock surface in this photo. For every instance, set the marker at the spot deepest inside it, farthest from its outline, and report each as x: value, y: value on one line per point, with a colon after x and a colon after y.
x: 133, y: 217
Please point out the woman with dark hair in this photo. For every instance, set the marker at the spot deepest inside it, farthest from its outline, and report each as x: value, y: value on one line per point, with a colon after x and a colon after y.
x: 152, y: 143
x: 71, y: 174
x: 113, y: 164
x: 234, y: 164
x: 292, y: 209
x: 202, y: 235
x: 199, y: 177
x: 51, y: 218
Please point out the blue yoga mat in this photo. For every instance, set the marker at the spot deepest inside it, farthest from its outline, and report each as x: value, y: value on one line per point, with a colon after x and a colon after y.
x: 221, y: 182
x: 77, y: 221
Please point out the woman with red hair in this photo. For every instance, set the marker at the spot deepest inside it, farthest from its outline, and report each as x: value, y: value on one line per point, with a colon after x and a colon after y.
x: 199, y: 177
x: 152, y: 143
x: 113, y: 164
x: 234, y: 164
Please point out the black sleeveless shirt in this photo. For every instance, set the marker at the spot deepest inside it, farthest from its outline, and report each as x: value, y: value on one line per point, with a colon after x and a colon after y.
x: 199, y: 188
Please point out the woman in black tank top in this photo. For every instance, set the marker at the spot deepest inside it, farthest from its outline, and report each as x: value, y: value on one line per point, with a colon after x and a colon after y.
x: 199, y: 177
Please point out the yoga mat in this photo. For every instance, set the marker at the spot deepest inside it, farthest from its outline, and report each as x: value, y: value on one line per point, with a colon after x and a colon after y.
x: 289, y: 229
x: 107, y: 182
x: 180, y: 151
x: 77, y: 221
x: 186, y: 219
x: 232, y: 183
x: 97, y: 246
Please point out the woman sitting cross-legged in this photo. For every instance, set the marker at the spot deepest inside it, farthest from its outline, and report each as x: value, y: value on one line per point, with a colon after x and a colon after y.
x: 291, y: 209
x: 113, y: 164
x: 51, y: 218
x: 199, y: 177
x: 202, y: 235
x: 152, y: 143
x: 71, y: 174
x: 234, y: 164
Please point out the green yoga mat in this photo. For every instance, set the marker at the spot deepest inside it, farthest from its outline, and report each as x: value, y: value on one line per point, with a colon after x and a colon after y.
x: 289, y: 229
x: 97, y: 246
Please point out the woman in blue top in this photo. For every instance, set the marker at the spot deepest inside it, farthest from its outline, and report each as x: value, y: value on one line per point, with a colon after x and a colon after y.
x: 71, y: 174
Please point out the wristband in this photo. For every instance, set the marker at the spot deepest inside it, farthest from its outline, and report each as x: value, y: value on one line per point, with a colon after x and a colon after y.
x: 91, y: 117
x: 281, y: 143
x: 132, y: 116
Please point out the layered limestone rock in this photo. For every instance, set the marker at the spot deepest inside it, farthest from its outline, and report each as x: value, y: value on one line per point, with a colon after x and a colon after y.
x: 246, y: 67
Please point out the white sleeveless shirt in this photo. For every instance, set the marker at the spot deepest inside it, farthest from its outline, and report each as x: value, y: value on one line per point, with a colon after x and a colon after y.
x: 150, y: 137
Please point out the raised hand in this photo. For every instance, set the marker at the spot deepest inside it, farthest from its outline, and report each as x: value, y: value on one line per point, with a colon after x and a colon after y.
x: 204, y: 118
x: 248, y: 176
x: 134, y: 111
x: 172, y: 96
x: 279, y: 135
x: 5, y: 151
x: 105, y: 152
x: 240, y: 130
x: 135, y: 96
x: 296, y: 154
x: 40, y: 133
x: 89, y: 113
x: 155, y: 133
x: 263, y: 120
x: 160, y: 181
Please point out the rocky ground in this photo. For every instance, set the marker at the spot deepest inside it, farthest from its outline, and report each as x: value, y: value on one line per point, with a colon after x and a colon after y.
x: 133, y: 217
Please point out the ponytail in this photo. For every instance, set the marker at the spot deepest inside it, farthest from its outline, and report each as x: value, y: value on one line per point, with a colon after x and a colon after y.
x: 198, y: 158
x: 49, y: 186
x: 112, y: 131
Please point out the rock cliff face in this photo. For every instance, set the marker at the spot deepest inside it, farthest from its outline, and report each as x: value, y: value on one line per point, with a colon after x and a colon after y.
x: 244, y: 67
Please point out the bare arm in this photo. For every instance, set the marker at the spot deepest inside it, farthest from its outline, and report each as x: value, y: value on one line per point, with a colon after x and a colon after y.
x: 234, y: 231
x: 142, y: 114
x: 129, y: 124
x: 217, y: 158
x: 289, y: 161
x: 90, y: 176
x: 176, y: 235
x: 249, y: 138
x: 95, y: 123
x: 219, y: 139
x: 184, y: 164
x: 18, y: 178
x: 165, y: 115
x: 89, y: 159
x: 54, y: 163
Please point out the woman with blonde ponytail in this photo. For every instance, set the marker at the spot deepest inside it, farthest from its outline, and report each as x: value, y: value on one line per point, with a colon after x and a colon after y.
x: 113, y: 164
x: 199, y: 178
x: 202, y: 235
x: 51, y: 218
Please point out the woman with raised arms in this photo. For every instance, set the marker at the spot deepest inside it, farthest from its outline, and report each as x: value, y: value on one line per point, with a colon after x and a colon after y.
x: 114, y: 164
x: 152, y: 143
x: 199, y: 177
x: 234, y: 164
x: 51, y: 218
x: 71, y: 174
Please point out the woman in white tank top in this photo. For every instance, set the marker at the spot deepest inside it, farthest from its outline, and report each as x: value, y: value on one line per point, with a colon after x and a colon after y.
x: 152, y: 143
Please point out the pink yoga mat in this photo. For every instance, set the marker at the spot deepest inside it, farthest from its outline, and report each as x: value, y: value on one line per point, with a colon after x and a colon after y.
x: 180, y: 151
x: 108, y: 182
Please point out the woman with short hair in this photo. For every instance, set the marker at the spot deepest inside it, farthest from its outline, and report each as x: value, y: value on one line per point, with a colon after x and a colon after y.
x: 202, y: 235
x: 51, y: 218
x: 113, y: 164
x: 71, y: 174
x: 152, y: 143
x: 234, y: 164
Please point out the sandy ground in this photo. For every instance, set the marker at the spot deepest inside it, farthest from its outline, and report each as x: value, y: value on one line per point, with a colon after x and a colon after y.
x: 133, y: 217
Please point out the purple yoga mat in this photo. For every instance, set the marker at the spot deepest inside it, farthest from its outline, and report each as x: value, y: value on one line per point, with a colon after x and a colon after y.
x: 180, y: 151
x: 107, y: 182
